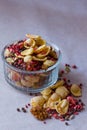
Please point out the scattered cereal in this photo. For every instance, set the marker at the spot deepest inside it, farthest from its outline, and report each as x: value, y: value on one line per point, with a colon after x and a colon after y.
x: 57, y: 101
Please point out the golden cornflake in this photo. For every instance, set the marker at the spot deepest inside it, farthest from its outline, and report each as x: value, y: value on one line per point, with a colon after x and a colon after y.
x: 46, y: 91
x: 37, y: 101
x: 40, y: 49
x: 33, y: 36
x: 58, y: 84
x: 27, y: 51
x: 29, y: 43
x: 7, y: 52
x: 44, y: 53
x: 27, y: 58
x: 39, y: 59
x: 76, y: 90
x: 47, y: 64
x: 62, y: 107
x: 62, y: 91
x: 9, y: 60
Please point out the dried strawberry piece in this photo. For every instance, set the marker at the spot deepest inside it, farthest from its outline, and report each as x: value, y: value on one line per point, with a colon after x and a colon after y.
x: 72, y: 100
x: 55, y: 115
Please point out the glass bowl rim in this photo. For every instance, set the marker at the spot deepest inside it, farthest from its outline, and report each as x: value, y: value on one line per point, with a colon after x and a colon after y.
x: 33, y: 72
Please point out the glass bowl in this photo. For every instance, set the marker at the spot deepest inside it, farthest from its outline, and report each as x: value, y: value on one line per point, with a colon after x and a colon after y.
x: 31, y: 81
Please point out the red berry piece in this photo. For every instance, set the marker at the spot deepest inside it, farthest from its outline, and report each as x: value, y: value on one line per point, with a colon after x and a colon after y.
x: 55, y: 115
x: 71, y: 100
x: 62, y: 72
x: 61, y: 119
x: 76, y: 113
x: 64, y: 79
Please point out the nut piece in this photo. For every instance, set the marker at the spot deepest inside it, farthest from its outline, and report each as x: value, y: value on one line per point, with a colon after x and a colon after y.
x: 62, y: 107
x: 76, y: 90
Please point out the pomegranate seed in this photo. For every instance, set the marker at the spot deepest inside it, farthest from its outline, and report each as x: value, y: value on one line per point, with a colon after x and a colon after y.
x: 64, y: 79
x: 80, y: 84
x: 80, y: 100
x: 28, y: 104
x: 74, y: 67
x: 18, y: 109
x: 67, y: 65
x: 82, y: 104
x: 30, y: 94
x: 62, y: 71
x: 66, y: 123
x: 23, y: 109
x: 68, y: 80
x: 44, y: 122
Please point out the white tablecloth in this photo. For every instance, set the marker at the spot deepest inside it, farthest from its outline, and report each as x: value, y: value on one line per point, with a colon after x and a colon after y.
x: 61, y: 22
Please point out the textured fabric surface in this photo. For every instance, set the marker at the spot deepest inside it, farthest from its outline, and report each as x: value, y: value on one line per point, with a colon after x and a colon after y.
x: 61, y: 22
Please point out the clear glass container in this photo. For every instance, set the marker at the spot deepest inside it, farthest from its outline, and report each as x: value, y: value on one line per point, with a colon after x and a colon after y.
x: 32, y: 81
